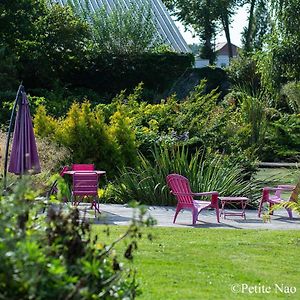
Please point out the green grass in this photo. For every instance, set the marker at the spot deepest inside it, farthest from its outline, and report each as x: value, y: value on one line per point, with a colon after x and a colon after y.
x: 280, y: 175
x: 193, y: 263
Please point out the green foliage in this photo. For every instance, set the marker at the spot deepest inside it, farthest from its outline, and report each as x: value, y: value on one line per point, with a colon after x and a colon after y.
x: 283, y: 139
x: 202, y: 17
x: 90, y: 139
x: 279, y: 64
x: 242, y: 72
x: 254, y: 113
x: 8, y: 72
x: 197, y: 121
x: 113, y: 73
x: 292, y: 93
x: 18, y: 21
x: 259, y: 25
x: 121, y: 130
x: 206, y: 172
x: 55, y: 256
x: 205, y: 17
x: 47, y: 41
x: 64, y: 44
x: 57, y: 53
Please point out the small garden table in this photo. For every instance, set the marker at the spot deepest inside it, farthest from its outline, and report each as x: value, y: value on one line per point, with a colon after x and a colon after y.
x: 230, y: 200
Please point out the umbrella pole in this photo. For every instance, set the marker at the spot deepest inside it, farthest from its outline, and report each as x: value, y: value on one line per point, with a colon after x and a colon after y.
x: 9, y: 134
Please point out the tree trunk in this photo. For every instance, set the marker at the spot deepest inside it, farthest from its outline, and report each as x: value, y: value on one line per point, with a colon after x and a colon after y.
x: 207, y: 50
x: 225, y: 22
x: 250, y: 29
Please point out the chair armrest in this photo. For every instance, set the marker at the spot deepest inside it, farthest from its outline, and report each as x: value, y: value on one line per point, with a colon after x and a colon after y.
x: 279, y: 188
x: 287, y: 187
x: 182, y: 194
x: 206, y: 193
x: 195, y: 194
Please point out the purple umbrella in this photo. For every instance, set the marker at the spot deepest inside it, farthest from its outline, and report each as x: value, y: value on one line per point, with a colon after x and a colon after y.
x: 24, y: 156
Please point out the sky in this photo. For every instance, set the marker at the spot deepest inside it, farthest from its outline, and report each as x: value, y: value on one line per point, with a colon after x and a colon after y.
x: 239, y: 22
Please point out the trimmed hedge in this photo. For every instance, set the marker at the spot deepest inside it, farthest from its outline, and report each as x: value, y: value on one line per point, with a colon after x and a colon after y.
x: 108, y: 74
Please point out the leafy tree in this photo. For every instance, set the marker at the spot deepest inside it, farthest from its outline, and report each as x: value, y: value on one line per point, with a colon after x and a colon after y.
x: 280, y: 63
x: 17, y: 35
x: 120, y: 30
x: 64, y: 42
x: 47, y: 40
x: 259, y: 25
x: 8, y: 72
x: 18, y: 21
x: 195, y: 48
x: 201, y: 16
x: 205, y: 17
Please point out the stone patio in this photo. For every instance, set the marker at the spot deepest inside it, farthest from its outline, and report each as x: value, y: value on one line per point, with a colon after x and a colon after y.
x: 117, y: 214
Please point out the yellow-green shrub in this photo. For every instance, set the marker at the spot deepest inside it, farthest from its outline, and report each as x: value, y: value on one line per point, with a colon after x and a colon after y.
x: 90, y: 139
x: 120, y: 130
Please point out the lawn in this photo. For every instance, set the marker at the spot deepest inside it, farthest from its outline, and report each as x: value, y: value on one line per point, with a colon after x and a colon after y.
x: 280, y: 175
x: 182, y: 263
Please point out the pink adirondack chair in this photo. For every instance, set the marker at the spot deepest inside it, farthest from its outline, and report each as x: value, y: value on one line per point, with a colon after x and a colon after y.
x: 85, y: 184
x: 180, y: 188
x: 83, y: 167
x: 276, y: 198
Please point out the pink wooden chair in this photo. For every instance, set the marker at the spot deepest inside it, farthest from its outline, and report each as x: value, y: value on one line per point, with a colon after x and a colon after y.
x: 83, y: 167
x: 276, y: 197
x: 180, y: 188
x: 85, y: 184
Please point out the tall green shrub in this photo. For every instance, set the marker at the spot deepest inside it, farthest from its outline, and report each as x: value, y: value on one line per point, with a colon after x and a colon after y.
x: 91, y: 140
x: 282, y: 141
x: 121, y: 130
x: 205, y: 171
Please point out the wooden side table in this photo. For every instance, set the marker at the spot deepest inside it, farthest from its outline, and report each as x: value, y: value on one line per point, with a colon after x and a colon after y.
x: 229, y: 200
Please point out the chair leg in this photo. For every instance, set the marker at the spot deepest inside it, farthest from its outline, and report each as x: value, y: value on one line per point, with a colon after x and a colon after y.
x: 260, y: 207
x: 178, y: 209
x: 195, y: 213
x: 218, y: 214
x: 95, y: 205
x: 290, y: 213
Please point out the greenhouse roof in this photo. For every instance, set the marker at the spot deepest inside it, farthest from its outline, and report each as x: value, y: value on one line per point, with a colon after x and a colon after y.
x: 165, y: 25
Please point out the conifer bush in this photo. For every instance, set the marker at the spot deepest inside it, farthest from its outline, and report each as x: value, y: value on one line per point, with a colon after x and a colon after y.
x: 91, y: 139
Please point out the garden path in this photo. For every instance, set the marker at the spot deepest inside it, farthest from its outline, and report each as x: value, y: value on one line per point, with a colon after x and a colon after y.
x: 121, y: 215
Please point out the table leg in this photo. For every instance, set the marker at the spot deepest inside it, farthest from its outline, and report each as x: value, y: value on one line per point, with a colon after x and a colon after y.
x: 222, y: 209
x: 244, y: 204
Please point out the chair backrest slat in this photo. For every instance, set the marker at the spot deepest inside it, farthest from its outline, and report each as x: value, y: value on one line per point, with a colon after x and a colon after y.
x: 83, y: 167
x: 85, y: 183
x: 180, y: 185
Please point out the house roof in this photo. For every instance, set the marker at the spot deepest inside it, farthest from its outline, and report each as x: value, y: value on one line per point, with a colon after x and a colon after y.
x: 220, y: 46
x: 165, y: 25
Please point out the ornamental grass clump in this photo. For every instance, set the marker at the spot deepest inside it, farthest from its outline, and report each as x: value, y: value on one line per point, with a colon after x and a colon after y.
x: 206, y: 172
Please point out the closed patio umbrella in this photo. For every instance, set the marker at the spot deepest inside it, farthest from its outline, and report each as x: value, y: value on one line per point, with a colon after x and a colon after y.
x: 24, y: 156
